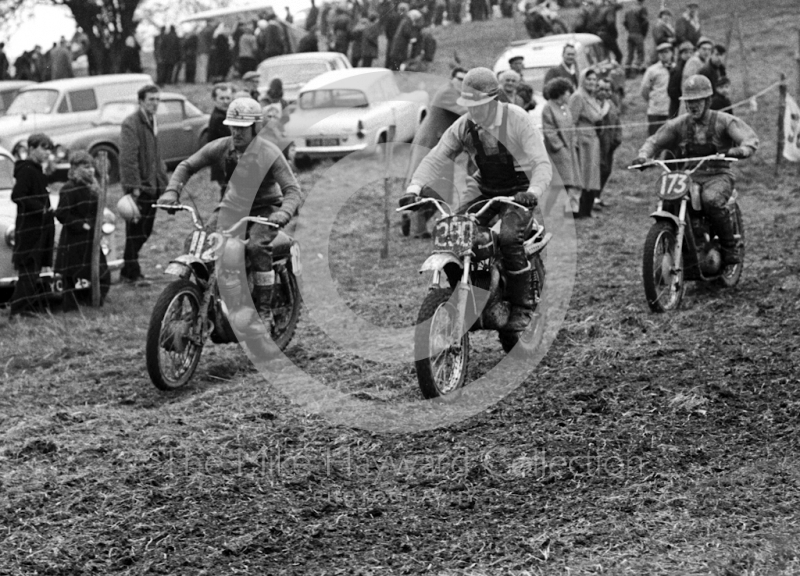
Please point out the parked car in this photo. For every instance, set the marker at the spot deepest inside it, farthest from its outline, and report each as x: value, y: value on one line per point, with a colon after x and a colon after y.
x: 182, y: 130
x: 346, y: 111
x: 72, y: 103
x: 51, y: 283
x: 542, y: 54
x: 295, y: 70
x: 8, y: 90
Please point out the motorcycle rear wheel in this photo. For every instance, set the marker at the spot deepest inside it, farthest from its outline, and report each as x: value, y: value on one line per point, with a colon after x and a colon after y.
x: 732, y: 274
x: 441, y: 365
x: 509, y: 339
x: 171, y: 356
x: 662, y: 289
x: 285, y: 311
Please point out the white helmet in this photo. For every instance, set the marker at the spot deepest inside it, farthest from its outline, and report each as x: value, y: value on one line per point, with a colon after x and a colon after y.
x: 128, y: 209
x: 243, y: 112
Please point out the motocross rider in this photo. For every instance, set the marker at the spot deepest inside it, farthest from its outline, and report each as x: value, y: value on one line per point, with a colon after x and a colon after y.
x: 702, y: 132
x: 509, y: 152
x: 260, y: 183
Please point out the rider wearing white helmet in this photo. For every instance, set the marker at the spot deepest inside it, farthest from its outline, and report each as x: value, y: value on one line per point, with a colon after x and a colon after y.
x: 260, y: 183
x: 702, y: 132
x: 509, y: 151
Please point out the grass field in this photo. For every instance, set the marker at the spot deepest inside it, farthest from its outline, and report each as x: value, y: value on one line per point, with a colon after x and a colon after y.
x: 641, y: 444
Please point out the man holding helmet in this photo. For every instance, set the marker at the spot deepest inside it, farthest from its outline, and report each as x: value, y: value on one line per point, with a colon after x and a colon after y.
x: 508, y: 149
x: 260, y: 183
x: 702, y: 132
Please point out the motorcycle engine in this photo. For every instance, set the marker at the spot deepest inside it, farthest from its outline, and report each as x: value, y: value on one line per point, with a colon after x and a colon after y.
x: 711, y: 263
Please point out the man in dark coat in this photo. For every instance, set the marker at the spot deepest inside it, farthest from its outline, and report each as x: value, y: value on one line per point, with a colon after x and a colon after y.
x: 221, y: 94
x: 407, y: 34
x: 390, y: 25
x: 369, y: 48
x: 687, y: 27
x: 275, y: 38
x: 636, y: 23
x: 34, y: 227
x: 61, y: 61
x: 675, y: 86
x: 607, y: 28
x: 190, y: 43
x: 171, y: 50
x: 3, y: 62
x: 143, y: 175
x: 311, y: 18
x: 567, y: 69
x: 309, y: 42
x: 714, y: 69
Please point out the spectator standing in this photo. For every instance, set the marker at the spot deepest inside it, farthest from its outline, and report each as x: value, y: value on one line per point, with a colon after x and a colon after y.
x: 309, y: 42
x: 664, y: 30
x: 390, y: 26
x: 3, y: 62
x: 171, y: 50
x: 609, y: 133
x: 509, y: 81
x: 693, y: 66
x: 131, y: 59
x: 407, y: 34
x: 341, y: 31
x: 675, y: 87
x: 143, y: 176
x: 222, y: 95
x: 77, y: 212
x: 61, y: 61
x: 606, y: 27
x: 313, y: 15
x: 587, y: 112
x: 158, y: 54
x: 687, y: 27
x: 567, y: 69
x: 220, y: 60
x: 357, y: 41
x: 189, y: 49
x: 38, y: 65
x: 422, y: 52
x: 34, y: 229
x: 721, y: 99
x: 478, y: 10
x: 205, y: 40
x: 560, y: 140
x: 248, y: 51
x: 275, y: 94
x: 289, y: 18
x: 637, y: 24
x: 714, y: 69
x: 655, y: 88
x: 369, y: 48
x: 274, y: 37
x: 251, y: 80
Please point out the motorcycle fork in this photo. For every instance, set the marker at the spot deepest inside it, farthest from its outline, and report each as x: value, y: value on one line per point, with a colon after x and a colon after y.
x: 678, y: 257
x: 207, y: 326
x: 462, y: 297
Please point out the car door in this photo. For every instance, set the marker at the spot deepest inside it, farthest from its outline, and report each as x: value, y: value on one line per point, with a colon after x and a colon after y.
x: 77, y: 110
x: 174, y: 135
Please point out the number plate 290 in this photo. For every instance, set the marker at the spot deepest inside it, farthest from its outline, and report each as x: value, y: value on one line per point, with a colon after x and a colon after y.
x: 454, y: 234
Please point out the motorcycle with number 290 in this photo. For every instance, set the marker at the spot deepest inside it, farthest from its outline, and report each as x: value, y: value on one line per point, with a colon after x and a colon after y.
x: 467, y: 292
x: 681, y: 245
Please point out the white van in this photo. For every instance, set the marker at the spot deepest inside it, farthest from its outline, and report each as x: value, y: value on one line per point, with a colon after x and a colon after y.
x: 58, y: 104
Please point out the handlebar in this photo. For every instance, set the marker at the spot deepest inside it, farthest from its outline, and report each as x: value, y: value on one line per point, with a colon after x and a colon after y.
x: 449, y: 211
x: 700, y: 160
x: 192, y: 211
x: 230, y: 231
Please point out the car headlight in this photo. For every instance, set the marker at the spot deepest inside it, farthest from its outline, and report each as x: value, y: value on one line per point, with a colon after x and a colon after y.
x: 10, y: 236
x: 108, y: 228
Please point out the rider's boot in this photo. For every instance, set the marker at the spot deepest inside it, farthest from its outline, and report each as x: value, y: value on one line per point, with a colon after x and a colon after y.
x: 724, y: 227
x: 520, y: 295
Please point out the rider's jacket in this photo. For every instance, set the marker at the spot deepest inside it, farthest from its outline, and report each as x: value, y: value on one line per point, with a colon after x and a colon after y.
x: 716, y: 132
x: 510, y: 154
x: 260, y: 180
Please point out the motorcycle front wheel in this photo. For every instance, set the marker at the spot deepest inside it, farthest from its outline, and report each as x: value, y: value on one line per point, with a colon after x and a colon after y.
x: 732, y: 274
x: 285, y: 309
x: 442, y: 358
x: 171, y: 352
x: 663, y: 285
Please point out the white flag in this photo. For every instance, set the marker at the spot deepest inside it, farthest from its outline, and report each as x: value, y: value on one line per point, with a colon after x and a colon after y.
x: 791, y: 130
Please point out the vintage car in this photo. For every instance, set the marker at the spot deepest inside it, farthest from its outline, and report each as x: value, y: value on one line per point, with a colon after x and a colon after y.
x: 544, y: 53
x: 51, y: 283
x: 8, y: 90
x: 71, y: 103
x: 182, y: 130
x: 294, y: 70
x: 354, y: 110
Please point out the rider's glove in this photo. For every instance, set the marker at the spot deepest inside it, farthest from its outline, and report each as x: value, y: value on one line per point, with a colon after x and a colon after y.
x: 170, y: 197
x: 737, y: 152
x: 280, y: 218
x: 639, y: 161
x: 408, y: 198
x: 527, y: 199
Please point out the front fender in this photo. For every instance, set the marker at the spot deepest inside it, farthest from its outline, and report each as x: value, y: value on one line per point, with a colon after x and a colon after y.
x: 185, y: 264
x: 659, y: 215
x: 438, y: 261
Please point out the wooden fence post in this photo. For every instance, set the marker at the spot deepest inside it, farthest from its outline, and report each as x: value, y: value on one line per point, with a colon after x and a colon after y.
x: 781, y: 114
x: 387, y: 193
x: 797, y: 66
x: 102, y: 164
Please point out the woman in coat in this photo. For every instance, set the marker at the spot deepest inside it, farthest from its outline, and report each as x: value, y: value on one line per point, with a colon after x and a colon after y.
x: 560, y: 140
x: 77, y: 212
x: 587, y: 112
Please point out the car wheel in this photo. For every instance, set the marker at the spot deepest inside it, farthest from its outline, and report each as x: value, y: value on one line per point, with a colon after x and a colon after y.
x: 113, y: 161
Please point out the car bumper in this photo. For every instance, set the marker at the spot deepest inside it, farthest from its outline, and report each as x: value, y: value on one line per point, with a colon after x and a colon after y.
x: 329, y: 151
x: 50, y: 279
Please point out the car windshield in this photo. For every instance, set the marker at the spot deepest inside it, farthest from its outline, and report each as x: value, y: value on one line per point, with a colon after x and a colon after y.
x: 296, y: 72
x: 116, y: 112
x: 335, y: 98
x: 39, y: 101
x: 535, y: 77
x: 6, y: 172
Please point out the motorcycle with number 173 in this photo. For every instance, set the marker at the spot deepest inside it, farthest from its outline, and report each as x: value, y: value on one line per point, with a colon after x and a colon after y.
x: 467, y: 292
x: 191, y: 309
x: 681, y: 245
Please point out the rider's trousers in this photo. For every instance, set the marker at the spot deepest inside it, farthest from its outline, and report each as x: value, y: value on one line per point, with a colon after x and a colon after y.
x: 716, y: 191
x: 259, y: 246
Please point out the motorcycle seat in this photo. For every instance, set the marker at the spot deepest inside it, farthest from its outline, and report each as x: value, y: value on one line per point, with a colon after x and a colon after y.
x: 281, y: 245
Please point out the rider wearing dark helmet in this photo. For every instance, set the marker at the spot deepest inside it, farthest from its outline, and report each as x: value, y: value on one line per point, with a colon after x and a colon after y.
x: 509, y: 152
x: 260, y: 183
x: 702, y: 132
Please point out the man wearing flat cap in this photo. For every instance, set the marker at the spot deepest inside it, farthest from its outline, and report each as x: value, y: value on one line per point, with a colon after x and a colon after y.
x: 654, y: 88
x: 663, y: 30
x: 687, y: 28
x: 701, y: 56
x: 685, y: 52
x: 508, y: 149
x: 251, y: 80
